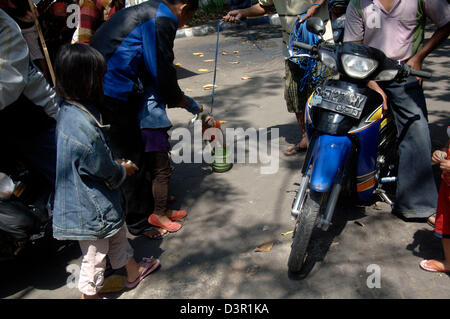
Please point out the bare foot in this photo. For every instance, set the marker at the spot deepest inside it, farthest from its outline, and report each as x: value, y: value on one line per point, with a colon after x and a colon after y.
x: 303, y: 143
x: 135, y: 270
x: 156, y: 233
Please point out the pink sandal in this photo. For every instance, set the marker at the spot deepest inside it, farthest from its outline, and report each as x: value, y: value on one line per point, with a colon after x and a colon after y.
x: 150, y: 265
x: 426, y: 266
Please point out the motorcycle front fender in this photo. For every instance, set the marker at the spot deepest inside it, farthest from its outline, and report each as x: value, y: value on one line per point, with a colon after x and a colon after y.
x: 328, y: 158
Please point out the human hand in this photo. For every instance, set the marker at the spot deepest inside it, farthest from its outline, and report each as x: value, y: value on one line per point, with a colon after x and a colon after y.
x: 130, y: 167
x: 445, y: 166
x: 438, y: 156
x: 416, y: 63
x: 310, y: 13
x: 233, y: 15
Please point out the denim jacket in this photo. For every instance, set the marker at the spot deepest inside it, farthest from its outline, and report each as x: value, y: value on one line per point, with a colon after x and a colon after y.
x: 87, y: 199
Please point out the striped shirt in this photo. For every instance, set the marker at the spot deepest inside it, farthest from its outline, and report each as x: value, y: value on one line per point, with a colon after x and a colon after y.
x: 92, y: 14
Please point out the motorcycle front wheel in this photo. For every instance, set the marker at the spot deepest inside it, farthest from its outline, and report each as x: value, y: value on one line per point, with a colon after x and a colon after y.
x: 303, y: 230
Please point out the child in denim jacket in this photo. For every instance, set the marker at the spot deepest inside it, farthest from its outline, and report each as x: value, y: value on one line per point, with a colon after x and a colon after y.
x: 88, y: 204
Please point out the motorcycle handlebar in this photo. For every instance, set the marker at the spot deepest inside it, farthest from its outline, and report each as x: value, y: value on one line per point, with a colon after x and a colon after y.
x: 301, y: 45
x: 422, y: 74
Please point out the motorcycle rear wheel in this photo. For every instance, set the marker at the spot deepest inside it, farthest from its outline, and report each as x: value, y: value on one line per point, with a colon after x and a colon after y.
x: 303, y: 230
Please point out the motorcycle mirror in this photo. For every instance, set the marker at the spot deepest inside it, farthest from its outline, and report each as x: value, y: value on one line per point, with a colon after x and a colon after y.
x: 315, y: 25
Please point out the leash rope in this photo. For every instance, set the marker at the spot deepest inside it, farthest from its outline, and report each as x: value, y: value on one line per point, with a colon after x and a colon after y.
x: 217, y: 52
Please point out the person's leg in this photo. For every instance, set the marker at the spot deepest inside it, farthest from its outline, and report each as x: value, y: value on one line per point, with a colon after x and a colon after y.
x: 294, y: 104
x: 121, y: 255
x: 416, y: 189
x: 93, y: 265
x: 126, y: 142
x: 161, y: 172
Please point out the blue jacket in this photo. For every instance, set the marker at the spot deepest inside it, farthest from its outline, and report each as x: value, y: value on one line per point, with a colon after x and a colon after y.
x: 153, y: 112
x: 87, y: 199
x: 137, y: 43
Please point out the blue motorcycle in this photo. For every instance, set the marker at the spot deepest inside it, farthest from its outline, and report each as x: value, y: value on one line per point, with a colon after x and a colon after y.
x: 352, y: 144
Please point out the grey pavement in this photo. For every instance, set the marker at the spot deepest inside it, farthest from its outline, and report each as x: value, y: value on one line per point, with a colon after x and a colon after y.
x: 230, y: 214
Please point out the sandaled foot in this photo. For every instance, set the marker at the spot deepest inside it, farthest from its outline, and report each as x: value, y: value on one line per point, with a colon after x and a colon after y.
x: 150, y: 265
x: 298, y: 148
x: 293, y: 149
x: 433, y: 265
x: 167, y: 225
x: 155, y: 233
x: 176, y: 214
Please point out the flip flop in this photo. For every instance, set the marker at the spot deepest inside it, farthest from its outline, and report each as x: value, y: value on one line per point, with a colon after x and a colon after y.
x: 425, y: 266
x: 151, y: 265
x: 170, y: 226
x: 177, y: 214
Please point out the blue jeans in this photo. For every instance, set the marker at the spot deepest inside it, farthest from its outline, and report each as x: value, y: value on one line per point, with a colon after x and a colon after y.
x: 240, y: 4
x: 416, y: 189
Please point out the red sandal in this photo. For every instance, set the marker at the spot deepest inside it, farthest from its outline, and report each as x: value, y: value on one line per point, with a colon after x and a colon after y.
x: 177, y: 214
x: 170, y: 226
x: 425, y: 265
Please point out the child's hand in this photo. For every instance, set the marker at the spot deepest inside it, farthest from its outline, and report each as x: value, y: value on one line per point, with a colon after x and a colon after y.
x: 130, y: 167
x: 445, y: 166
x: 438, y: 156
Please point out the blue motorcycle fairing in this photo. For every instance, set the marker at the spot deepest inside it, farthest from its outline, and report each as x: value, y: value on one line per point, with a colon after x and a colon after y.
x: 330, y: 153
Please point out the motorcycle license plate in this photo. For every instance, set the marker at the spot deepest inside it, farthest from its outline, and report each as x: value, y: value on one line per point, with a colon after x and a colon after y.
x: 340, y: 101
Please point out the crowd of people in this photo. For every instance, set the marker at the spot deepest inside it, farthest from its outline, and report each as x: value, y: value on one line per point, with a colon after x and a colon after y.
x: 102, y: 127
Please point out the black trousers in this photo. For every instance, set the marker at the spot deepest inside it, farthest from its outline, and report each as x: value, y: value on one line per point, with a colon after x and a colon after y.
x: 126, y: 142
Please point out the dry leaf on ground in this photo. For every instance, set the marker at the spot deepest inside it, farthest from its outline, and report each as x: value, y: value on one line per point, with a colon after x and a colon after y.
x: 177, y: 64
x: 203, y: 70
x: 208, y: 60
x: 235, y: 51
x: 245, y: 77
x: 208, y: 87
x: 235, y: 62
x: 197, y: 53
x: 266, y: 247
x: 287, y: 233
x: 224, y: 53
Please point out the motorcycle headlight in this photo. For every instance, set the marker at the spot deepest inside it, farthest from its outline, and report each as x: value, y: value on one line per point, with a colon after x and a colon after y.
x: 386, y: 75
x: 328, y: 59
x: 358, y: 67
